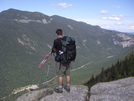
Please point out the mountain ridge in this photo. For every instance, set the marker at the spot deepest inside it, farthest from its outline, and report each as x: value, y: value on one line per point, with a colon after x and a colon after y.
x: 26, y: 37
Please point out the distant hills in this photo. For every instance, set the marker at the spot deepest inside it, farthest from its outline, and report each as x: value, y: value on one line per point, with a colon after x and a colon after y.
x: 26, y: 37
x: 129, y: 32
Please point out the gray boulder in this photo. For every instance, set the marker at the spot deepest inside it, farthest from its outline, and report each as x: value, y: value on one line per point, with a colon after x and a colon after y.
x: 119, y: 90
x: 36, y: 95
x: 77, y: 93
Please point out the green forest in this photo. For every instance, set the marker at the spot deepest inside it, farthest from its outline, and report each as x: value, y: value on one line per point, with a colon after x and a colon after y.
x: 121, y: 69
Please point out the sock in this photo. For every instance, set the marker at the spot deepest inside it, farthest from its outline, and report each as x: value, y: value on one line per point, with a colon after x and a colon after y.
x: 60, y: 86
x: 68, y: 84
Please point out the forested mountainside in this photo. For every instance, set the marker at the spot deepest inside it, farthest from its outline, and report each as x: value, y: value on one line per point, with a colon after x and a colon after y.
x: 27, y: 37
x: 121, y: 69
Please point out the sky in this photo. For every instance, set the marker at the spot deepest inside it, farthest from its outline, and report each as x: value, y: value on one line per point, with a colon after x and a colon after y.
x: 109, y: 14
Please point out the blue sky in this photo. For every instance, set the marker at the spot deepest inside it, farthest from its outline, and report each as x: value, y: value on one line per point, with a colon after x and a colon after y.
x: 109, y: 14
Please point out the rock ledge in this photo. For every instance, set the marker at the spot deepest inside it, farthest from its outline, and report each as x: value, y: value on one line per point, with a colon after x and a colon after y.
x: 77, y: 93
x: 119, y: 90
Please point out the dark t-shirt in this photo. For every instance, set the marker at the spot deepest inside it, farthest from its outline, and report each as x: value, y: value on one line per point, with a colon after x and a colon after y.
x: 57, y: 45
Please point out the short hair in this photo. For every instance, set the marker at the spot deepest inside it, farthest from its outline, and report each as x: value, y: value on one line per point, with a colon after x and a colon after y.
x: 59, y: 31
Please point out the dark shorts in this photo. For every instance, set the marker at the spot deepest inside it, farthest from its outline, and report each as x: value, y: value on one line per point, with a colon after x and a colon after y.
x: 62, y: 69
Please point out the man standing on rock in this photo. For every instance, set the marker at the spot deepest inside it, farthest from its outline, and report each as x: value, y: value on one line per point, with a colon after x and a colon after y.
x: 62, y: 69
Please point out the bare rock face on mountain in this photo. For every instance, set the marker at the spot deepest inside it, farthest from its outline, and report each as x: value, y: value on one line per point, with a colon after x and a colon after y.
x: 120, y: 90
x: 77, y: 93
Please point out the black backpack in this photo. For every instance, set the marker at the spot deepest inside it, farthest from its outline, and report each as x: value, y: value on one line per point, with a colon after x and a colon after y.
x: 68, y: 52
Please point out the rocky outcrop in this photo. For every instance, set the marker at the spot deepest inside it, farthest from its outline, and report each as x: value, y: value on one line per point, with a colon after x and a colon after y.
x: 120, y: 90
x: 77, y: 93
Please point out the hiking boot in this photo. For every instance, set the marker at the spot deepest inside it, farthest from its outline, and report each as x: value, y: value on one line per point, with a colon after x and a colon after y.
x: 67, y: 88
x: 58, y: 90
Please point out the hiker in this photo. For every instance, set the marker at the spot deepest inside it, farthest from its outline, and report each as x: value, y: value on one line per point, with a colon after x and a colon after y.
x: 62, y: 69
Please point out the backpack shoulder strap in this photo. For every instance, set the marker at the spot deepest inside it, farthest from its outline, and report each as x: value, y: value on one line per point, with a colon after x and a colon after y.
x: 69, y: 39
x: 64, y: 43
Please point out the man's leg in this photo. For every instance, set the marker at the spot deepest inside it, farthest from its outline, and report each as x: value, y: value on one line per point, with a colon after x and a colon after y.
x: 60, y: 75
x: 68, y: 79
x: 67, y: 87
x: 59, y: 88
x: 60, y: 81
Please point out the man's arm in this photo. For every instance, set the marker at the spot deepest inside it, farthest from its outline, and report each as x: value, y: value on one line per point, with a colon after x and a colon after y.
x: 54, y: 47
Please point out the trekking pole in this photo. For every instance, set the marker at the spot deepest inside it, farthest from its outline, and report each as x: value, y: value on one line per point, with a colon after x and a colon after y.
x: 47, y: 71
x: 48, y: 67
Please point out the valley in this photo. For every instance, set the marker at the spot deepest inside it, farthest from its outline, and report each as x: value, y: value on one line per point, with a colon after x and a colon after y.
x: 26, y: 37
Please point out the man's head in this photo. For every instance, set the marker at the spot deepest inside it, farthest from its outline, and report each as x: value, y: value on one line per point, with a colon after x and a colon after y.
x: 59, y: 31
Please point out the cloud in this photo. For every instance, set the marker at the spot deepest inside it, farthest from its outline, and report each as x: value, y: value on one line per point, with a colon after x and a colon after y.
x: 104, y: 11
x: 119, y: 23
x: 115, y: 6
x: 114, y: 15
x: 114, y: 18
x: 111, y: 18
x: 127, y: 15
x: 104, y: 18
x: 132, y: 27
x: 106, y: 27
x: 64, y: 5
